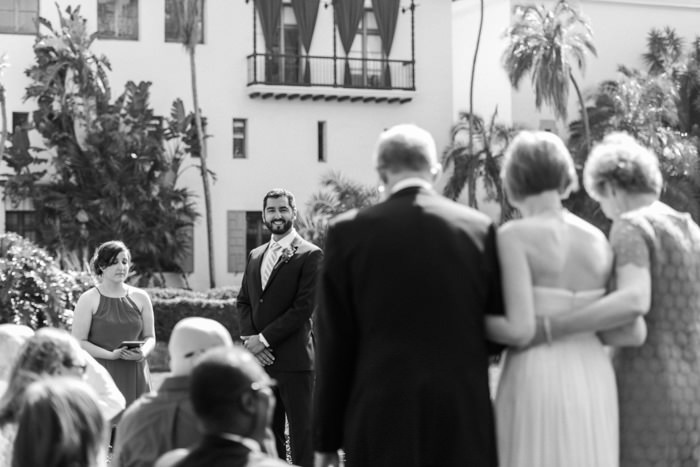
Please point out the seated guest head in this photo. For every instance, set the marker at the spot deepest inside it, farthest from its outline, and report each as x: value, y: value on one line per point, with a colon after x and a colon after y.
x: 619, y: 172
x: 231, y: 393
x: 59, y: 425
x: 49, y: 352
x: 406, y: 151
x: 190, y: 338
x: 537, y: 162
x: 12, y: 337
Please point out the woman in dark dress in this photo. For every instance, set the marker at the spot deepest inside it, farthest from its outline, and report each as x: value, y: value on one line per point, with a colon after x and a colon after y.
x: 657, y: 268
x: 113, y: 312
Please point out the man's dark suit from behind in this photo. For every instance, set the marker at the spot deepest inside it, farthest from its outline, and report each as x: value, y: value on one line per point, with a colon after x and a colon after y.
x: 402, y: 359
x: 276, y: 321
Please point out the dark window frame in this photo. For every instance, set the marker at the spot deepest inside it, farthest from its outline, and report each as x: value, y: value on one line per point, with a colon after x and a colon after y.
x: 322, y: 128
x: 240, y: 137
x: 16, y: 221
x: 256, y: 233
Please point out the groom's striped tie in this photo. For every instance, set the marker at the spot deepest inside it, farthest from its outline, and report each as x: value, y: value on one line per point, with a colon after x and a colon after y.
x: 269, y: 262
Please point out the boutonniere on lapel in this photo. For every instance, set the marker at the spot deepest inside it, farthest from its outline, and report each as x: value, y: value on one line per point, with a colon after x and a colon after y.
x: 287, y: 253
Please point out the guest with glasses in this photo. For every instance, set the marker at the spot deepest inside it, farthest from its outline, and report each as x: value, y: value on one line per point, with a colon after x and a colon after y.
x: 49, y: 352
x: 233, y: 399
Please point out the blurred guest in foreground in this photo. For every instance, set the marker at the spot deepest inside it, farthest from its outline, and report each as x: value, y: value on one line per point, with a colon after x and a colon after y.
x: 232, y: 397
x: 49, y: 352
x: 164, y: 420
x: 60, y: 425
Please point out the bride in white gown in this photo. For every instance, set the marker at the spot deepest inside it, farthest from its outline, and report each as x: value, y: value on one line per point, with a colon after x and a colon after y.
x: 556, y: 403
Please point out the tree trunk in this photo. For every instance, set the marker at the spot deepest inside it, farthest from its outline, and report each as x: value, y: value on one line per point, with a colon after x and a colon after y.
x: 472, y: 176
x: 203, y: 167
x: 3, y: 116
x: 584, y: 113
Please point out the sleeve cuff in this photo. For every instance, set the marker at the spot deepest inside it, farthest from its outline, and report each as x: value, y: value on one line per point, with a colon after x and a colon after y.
x: 263, y: 340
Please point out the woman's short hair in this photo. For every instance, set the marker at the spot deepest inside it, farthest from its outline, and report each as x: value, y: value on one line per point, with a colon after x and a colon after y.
x: 44, y: 353
x: 60, y: 425
x: 106, y: 255
x: 620, y: 161
x: 537, y: 161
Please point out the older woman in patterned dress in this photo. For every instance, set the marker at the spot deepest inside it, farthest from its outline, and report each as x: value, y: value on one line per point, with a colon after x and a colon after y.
x: 657, y: 254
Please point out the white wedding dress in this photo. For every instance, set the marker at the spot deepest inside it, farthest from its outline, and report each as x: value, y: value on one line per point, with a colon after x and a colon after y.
x: 556, y: 405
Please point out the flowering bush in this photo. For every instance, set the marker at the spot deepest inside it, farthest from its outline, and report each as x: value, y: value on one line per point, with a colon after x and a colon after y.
x: 34, y: 291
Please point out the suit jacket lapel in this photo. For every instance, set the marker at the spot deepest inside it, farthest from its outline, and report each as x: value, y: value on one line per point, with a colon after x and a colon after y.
x: 294, y: 245
x: 256, y: 264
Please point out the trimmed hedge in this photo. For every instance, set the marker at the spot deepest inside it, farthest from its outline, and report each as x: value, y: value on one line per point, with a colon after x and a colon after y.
x: 220, y: 293
x: 169, y: 311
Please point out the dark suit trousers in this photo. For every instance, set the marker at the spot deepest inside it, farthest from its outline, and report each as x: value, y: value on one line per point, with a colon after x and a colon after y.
x: 294, y: 395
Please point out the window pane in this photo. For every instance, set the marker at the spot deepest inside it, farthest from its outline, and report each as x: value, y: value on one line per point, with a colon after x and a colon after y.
x: 174, y: 10
x: 256, y: 234
x: 118, y: 19
x: 22, y: 223
x: 239, y: 136
x: 105, y: 18
x: 25, y: 21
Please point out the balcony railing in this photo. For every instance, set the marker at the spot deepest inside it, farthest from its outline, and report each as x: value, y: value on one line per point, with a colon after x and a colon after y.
x: 337, y: 72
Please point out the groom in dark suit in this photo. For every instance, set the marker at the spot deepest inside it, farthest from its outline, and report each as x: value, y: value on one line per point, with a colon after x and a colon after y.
x: 402, y: 360
x: 276, y: 301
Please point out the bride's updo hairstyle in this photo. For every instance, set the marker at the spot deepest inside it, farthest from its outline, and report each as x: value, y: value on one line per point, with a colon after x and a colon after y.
x: 537, y: 161
x: 620, y: 161
x: 106, y: 255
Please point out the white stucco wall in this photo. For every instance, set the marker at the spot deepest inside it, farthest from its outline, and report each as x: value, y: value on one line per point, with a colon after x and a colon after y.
x: 281, y: 133
x: 491, y: 87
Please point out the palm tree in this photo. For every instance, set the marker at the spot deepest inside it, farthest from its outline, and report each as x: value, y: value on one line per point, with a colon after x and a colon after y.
x: 337, y: 195
x: 665, y: 56
x: 3, y: 110
x: 484, y: 162
x: 471, y: 176
x: 546, y: 44
x: 188, y: 13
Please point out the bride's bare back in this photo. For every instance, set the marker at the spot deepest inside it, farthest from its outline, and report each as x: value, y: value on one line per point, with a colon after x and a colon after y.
x: 563, y: 251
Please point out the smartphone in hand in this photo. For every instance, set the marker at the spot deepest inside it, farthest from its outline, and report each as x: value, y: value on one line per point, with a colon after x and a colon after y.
x: 131, y: 344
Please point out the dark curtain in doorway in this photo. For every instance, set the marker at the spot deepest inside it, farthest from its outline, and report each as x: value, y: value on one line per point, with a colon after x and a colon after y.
x: 306, y: 12
x: 269, y: 12
x: 348, y: 14
x: 387, y: 13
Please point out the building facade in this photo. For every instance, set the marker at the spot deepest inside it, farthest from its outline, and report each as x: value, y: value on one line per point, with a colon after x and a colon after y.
x: 291, y: 90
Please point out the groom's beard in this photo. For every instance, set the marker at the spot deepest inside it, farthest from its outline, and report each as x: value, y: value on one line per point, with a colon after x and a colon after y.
x: 279, y: 229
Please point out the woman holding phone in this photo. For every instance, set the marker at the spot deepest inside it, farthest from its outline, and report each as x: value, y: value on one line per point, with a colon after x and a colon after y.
x: 113, y: 313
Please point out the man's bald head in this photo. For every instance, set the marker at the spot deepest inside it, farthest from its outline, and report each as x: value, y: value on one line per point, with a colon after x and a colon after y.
x: 406, y: 148
x: 191, y: 337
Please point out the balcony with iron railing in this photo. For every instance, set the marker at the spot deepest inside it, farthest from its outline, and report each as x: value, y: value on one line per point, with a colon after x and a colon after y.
x: 330, y: 78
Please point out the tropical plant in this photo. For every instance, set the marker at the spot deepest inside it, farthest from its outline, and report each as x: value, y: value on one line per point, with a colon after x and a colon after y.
x: 109, y: 165
x: 646, y: 107
x: 481, y: 161
x: 547, y: 44
x: 34, y: 291
x: 338, y: 194
x: 666, y: 57
x: 188, y: 13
